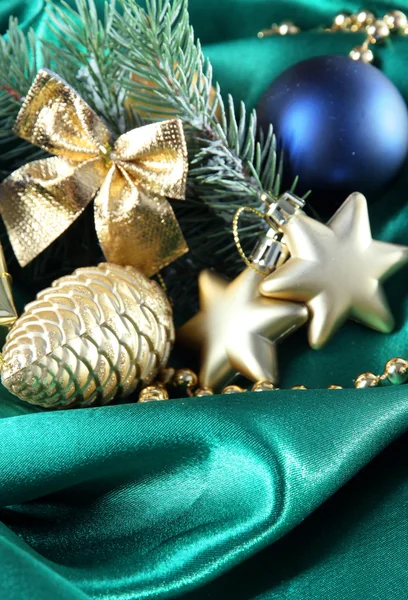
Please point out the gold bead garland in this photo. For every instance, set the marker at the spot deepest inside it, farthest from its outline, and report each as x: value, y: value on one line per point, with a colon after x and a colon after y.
x: 377, y: 30
x: 395, y: 372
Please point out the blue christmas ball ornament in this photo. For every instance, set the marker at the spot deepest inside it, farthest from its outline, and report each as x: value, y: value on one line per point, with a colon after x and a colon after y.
x: 343, y: 127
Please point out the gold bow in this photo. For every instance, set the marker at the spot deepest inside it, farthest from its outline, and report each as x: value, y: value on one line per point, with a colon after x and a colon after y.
x: 130, y: 180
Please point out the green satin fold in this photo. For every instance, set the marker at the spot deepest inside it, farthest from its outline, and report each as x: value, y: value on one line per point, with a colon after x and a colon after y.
x: 284, y: 495
x: 151, y: 500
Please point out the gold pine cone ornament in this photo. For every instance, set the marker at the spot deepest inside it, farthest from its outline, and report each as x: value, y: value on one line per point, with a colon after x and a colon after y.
x: 91, y: 337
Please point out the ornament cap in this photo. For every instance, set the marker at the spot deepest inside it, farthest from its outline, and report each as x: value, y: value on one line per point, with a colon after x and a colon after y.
x: 270, y: 252
x: 282, y: 209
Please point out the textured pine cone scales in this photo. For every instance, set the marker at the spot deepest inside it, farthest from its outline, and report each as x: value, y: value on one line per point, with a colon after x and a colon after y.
x: 93, y: 336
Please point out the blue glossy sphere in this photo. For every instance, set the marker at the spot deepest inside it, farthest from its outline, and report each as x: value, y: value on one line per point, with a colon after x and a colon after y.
x: 342, y: 124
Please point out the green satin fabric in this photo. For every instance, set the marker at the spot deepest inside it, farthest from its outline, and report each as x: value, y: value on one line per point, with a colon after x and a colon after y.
x: 291, y: 495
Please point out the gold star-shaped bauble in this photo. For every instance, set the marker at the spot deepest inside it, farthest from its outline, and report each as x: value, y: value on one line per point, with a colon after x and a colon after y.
x: 237, y: 329
x: 337, y: 270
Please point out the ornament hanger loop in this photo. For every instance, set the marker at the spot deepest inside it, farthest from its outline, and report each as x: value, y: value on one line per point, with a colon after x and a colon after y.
x: 235, y: 233
x: 270, y: 251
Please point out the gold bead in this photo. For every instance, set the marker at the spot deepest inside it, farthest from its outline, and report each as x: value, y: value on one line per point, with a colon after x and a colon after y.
x: 396, y: 20
x: 342, y: 21
x: 362, y: 53
x: 364, y: 18
x: 232, y: 389
x: 153, y: 393
x: 367, y: 380
x: 299, y: 387
x: 205, y: 391
x: 378, y: 31
x: 396, y: 371
x: 288, y: 28
x: 335, y: 387
x: 185, y: 378
x: 263, y: 386
x: 361, y: 20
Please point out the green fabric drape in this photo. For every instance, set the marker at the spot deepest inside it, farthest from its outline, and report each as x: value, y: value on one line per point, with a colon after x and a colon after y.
x: 292, y: 495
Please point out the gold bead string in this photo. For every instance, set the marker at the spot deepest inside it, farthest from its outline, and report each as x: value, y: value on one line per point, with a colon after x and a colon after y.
x: 184, y: 382
x: 376, y: 29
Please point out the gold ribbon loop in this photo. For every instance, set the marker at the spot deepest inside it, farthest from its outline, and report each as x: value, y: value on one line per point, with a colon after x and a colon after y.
x: 129, y: 181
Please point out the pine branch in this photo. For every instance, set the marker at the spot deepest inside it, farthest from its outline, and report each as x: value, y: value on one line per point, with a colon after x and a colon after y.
x: 147, y: 61
x: 83, y: 55
x: 19, y: 63
x: 169, y: 75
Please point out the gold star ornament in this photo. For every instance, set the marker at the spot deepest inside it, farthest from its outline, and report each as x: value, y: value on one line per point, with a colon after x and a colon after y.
x: 337, y: 270
x: 237, y: 329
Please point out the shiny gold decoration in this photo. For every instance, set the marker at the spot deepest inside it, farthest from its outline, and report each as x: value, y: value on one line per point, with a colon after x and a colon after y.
x: 235, y: 233
x: 263, y: 386
x: 233, y: 389
x: 396, y: 371
x: 337, y: 270
x: 129, y: 181
x: 396, y: 20
x: 342, y: 22
x: 153, y: 393
x: 378, y: 31
x: 237, y: 330
x: 203, y: 392
x: 8, y: 313
x: 362, y: 53
x: 185, y: 377
x: 93, y: 336
x: 364, y: 18
x: 285, y: 28
x: 367, y: 380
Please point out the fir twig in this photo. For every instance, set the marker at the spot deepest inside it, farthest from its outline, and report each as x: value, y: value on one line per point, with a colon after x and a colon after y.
x: 147, y: 61
x: 168, y: 76
x: 19, y: 63
x: 83, y: 55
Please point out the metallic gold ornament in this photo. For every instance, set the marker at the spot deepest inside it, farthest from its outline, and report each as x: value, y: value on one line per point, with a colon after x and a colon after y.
x: 335, y: 387
x: 263, y: 386
x: 129, y: 181
x: 8, y: 313
x: 364, y: 18
x: 233, y: 389
x: 203, y: 392
x: 298, y: 387
x: 185, y: 377
x: 337, y: 270
x: 93, y: 336
x: 379, y: 30
x: 362, y: 53
x: 396, y: 371
x: 237, y: 330
x: 153, y: 393
x: 396, y: 20
x: 367, y: 380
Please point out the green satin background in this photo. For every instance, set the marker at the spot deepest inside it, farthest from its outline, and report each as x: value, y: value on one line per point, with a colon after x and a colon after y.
x: 299, y: 495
